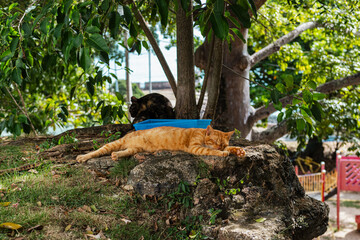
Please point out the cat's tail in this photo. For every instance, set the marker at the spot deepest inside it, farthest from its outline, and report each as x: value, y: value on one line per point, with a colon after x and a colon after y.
x: 104, y: 150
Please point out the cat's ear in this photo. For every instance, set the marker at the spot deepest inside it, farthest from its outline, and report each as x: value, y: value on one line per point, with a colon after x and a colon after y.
x: 133, y: 99
x: 209, y: 130
x: 229, y: 134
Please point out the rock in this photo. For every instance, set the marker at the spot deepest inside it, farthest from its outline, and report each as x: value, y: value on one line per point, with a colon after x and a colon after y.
x: 162, y: 174
x: 257, y: 197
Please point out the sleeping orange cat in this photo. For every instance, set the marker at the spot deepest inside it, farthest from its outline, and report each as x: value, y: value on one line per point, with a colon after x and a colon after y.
x: 192, y: 140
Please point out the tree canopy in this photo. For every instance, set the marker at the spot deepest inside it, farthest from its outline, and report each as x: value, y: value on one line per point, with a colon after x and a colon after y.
x: 289, y: 53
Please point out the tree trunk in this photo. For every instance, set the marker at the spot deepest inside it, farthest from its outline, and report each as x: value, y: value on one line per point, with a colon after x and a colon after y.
x: 185, y: 95
x: 233, y: 108
x: 215, y: 78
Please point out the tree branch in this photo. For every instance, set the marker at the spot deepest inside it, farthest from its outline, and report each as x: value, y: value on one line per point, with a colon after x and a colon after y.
x: 275, y: 46
x: 154, y: 45
x: 271, y: 134
x: 207, y: 72
x: 264, y: 112
x: 20, y: 108
x: 340, y: 83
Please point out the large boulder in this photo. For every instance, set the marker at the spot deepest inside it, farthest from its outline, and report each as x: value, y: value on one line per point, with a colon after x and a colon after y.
x: 259, y: 196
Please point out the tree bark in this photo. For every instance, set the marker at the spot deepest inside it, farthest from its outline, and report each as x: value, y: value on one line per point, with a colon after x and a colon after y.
x: 233, y: 108
x: 214, y: 83
x: 275, y: 46
x: 185, y: 95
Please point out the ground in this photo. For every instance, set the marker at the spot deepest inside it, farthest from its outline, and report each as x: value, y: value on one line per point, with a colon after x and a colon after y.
x: 350, y: 206
x: 57, y: 200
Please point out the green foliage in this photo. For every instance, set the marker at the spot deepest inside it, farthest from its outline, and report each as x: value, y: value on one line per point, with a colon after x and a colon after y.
x: 213, y: 214
x: 189, y: 228
x: 122, y: 89
x: 315, y: 57
x: 181, y: 196
x: 123, y: 167
x: 47, y: 61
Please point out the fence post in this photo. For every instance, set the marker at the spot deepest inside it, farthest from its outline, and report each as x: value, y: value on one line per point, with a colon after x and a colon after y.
x: 323, y: 172
x: 296, y: 170
x: 338, y: 158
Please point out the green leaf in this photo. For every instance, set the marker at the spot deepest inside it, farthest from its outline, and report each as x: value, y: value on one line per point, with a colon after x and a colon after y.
x: 253, y: 7
x: 105, y: 112
x: 65, y: 111
x: 63, y: 118
x: 219, y: 25
x: 98, y: 78
x: 75, y: 15
x: 317, y: 112
x: 289, y: 81
x: 280, y: 117
x: 127, y: 14
x: 44, y: 25
x: 260, y: 220
x: 242, y: 14
x: 92, y: 29
x: 133, y: 31
x: 6, y: 55
x: 13, y: 45
x: 17, y: 131
x: 146, y: 45
x: 57, y: 31
x: 22, y: 118
x: 312, y: 84
x: 98, y: 42
x: 104, y: 56
x: 238, y: 33
x: 280, y: 87
x: 90, y: 88
x: 120, y: 113
x: 72, y: 91
x: 185, y: 5
x: 99, y: 104
x: 119, y: 96
x: 114, y: 23
x: 85, y: 59
x: 77, y: 40
x: 26, y: 28
x: 318, y: 96
x: 163, y: 7
x: 105, y: 5
x: 219, y: 7
x: 307, y: 95
x: 275, y: 95
x: 278, y: 106
x: 130, y: 42
x: 300, y: 124
x: 16, y: 76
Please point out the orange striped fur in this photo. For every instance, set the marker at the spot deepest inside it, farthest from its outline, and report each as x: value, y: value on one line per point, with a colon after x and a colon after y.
x: 192, y: 140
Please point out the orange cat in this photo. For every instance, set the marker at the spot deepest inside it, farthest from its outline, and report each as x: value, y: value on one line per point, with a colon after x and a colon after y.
x: 192, y: 140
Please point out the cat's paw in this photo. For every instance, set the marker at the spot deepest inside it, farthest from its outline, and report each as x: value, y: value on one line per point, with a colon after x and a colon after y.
x: 81, y: 158
x: 225, y: 153
x: 114, y: 156
x: 238, y: 151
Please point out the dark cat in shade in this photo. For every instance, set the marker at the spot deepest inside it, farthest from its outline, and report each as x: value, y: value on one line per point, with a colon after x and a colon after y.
x: 151, y: 106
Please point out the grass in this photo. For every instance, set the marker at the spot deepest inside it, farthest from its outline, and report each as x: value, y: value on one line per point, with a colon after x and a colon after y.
x: 72, y: 202
x: 349, y: 203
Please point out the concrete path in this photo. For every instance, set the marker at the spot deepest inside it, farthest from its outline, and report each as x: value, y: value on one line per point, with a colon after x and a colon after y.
x: 347, y: 219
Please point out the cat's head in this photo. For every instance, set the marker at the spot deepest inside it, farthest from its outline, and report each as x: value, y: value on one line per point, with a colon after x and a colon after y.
x: 134, y: 107
x: 216, y: 139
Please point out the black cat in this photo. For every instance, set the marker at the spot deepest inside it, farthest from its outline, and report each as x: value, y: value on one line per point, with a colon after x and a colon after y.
x: 151, y: 106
